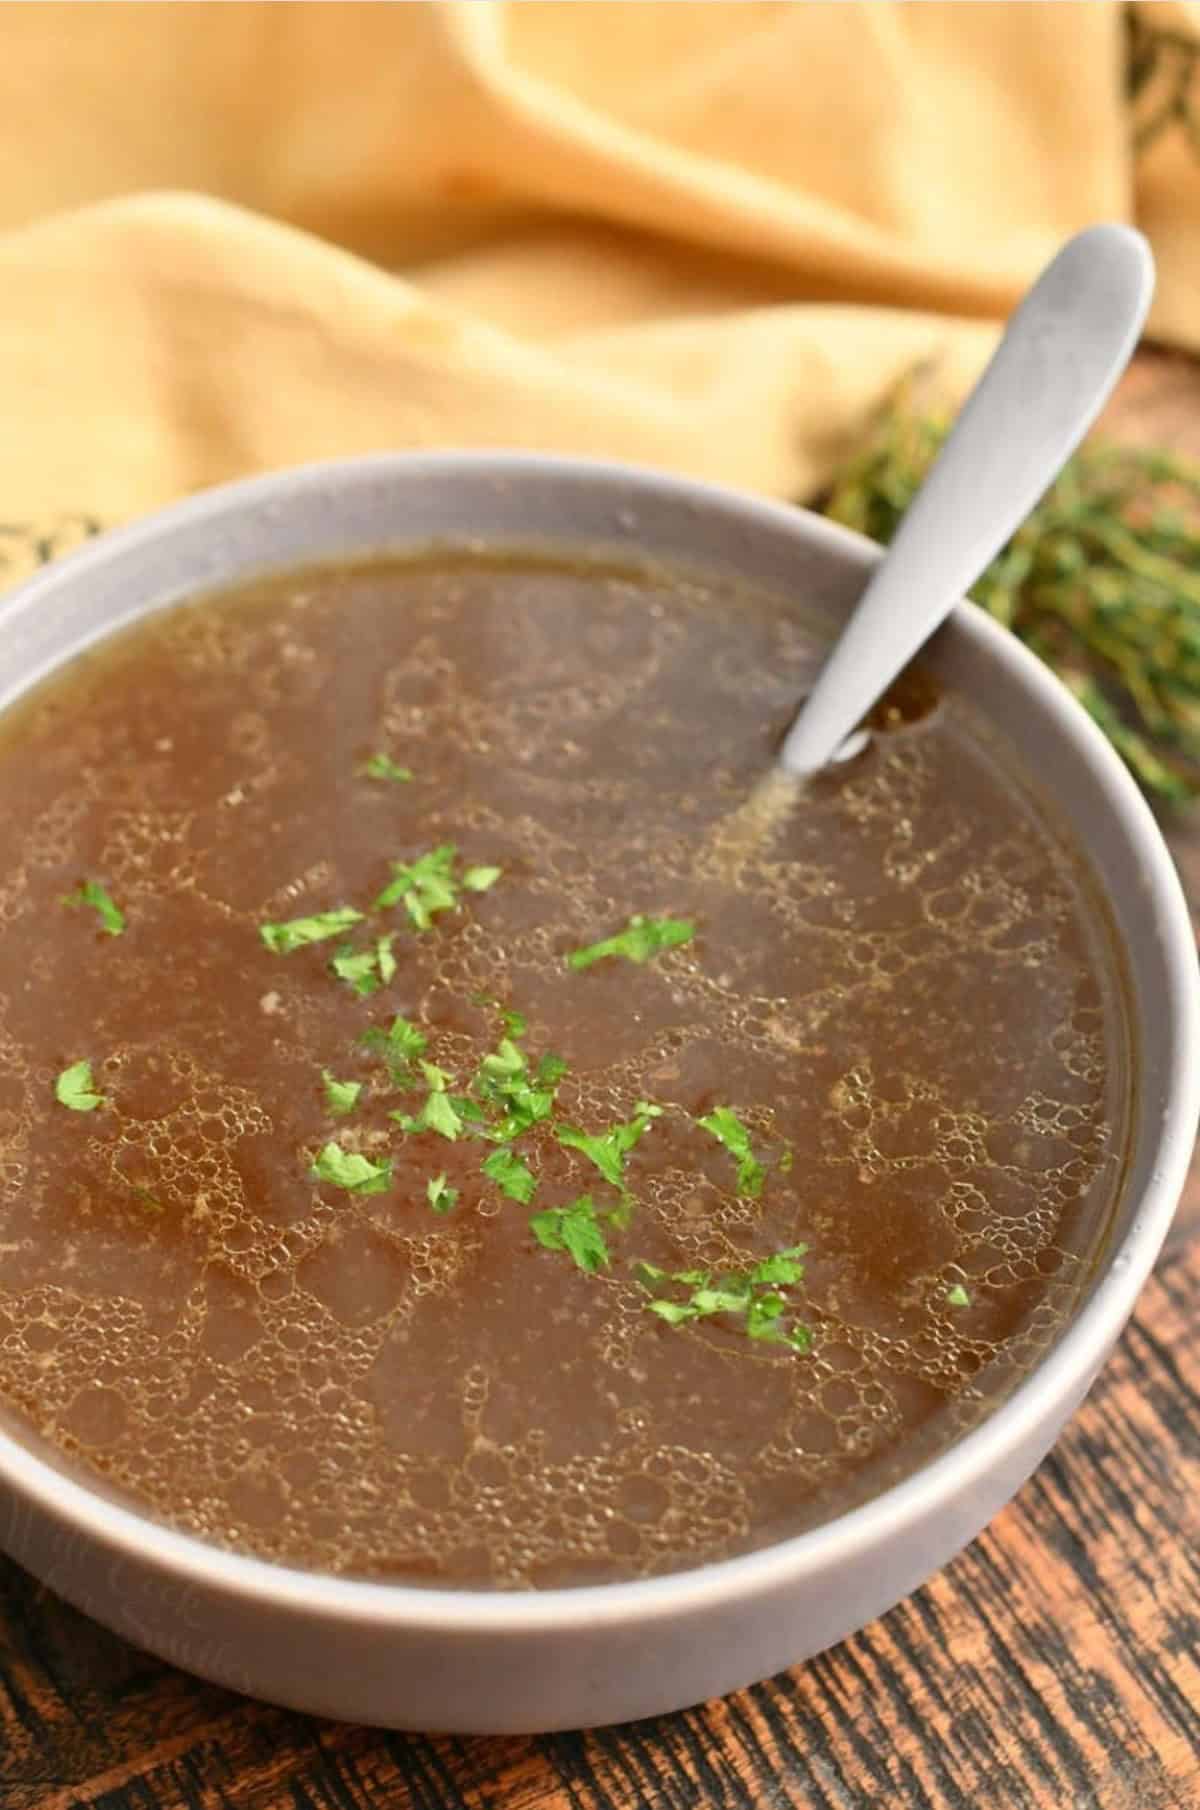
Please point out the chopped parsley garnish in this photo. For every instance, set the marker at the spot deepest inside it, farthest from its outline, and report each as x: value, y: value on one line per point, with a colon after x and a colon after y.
x: 728, y: 1129
x: 752, y: 1296
x: 480, y: 879
x: 511, y: 1174
x: 470, y: 1109
x: 523, y: 1106
x: 366, y: 970
x: 440, y: 1197
x: 425, y: 885
x: 505, y: 1099
x: 609, y: 1150
x: 357, y: 969
x: 641, y: 938
x: 958, y: 1296
x: 783, y: 1267
x: 502, y: 1085
x: 429, y: 884
x: 75, y: 1088
x: 347, y: 1169
x: 382, y: 766
x: 341, y: 1097
x: 574, y: 1229
x: 498, y: 1071
x: 400, y: 1045
x: 440, y: 1116
x: 281, y: 939
x: 90, y: 892
x: 385, y: 961
x: 438, y: 1113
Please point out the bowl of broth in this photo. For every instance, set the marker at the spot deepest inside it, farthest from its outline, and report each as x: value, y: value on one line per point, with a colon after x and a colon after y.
x: 501, y: 1232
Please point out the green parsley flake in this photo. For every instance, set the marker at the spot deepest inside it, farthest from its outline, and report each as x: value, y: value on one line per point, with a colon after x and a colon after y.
x: 675, y: 1313
x: 784, y: 1267
x: 347, y: 1169
x: 441, y: 1117
x: 752, y: 1295
x: 440, y: 1197
x: 365, y: 971
x: 511, y: 1174
x: 958, y: 1296
x: 523, y: 1106
x: 341, y: 1097
x: 502, y: 1087
x: 641, y: 938
x: 429, y: 885
x: 75, y: 1088
x: 282, y: 939
x: 400, y: 1046
x: 438, y: 1113
x: 574, y: 1229
x: 609, y: 1150
x: 357, y: 969
x: 382, y: 766
x: 425, y: 885
x: 762, y: 1312
x: 90, y: 892
x: 500, y: 1069
x: 505, y: 1099
x: 727, y: 1128
x: 480, y: 879
x: 469, y: 1109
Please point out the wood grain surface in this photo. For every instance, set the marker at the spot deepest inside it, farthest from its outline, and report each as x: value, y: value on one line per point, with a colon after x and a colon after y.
x: 1054, y: 1663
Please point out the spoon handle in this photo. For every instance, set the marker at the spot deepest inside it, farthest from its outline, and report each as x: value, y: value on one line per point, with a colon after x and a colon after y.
x: 1063, y: 350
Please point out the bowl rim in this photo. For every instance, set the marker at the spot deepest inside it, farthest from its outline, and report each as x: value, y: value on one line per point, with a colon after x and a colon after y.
x: 1063, y: 1373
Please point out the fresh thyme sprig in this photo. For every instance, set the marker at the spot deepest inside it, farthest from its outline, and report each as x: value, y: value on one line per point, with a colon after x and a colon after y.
x: 1102, y: 582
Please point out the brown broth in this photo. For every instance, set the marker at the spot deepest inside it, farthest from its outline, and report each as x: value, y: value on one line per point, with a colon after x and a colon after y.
x: 906, y: 978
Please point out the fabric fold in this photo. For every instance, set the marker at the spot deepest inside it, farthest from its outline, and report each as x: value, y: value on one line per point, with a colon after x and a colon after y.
x: 710, y: 237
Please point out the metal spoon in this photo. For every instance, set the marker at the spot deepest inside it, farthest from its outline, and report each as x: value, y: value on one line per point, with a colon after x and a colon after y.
x: 1047, y: 380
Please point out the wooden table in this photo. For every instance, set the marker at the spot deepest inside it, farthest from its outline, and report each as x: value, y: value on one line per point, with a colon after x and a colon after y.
x: 1055, y: 1663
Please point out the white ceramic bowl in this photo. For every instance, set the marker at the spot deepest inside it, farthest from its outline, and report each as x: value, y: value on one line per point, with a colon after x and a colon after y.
x: 477, y: 1662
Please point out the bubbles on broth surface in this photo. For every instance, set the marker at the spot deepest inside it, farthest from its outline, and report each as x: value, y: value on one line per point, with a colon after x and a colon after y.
x: 902, y: 977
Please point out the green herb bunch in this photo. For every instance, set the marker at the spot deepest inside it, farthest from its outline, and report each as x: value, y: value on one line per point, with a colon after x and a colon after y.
x: 1102, y: 582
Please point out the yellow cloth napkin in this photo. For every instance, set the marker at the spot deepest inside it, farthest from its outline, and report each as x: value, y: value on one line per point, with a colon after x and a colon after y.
x: 705, y: 236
